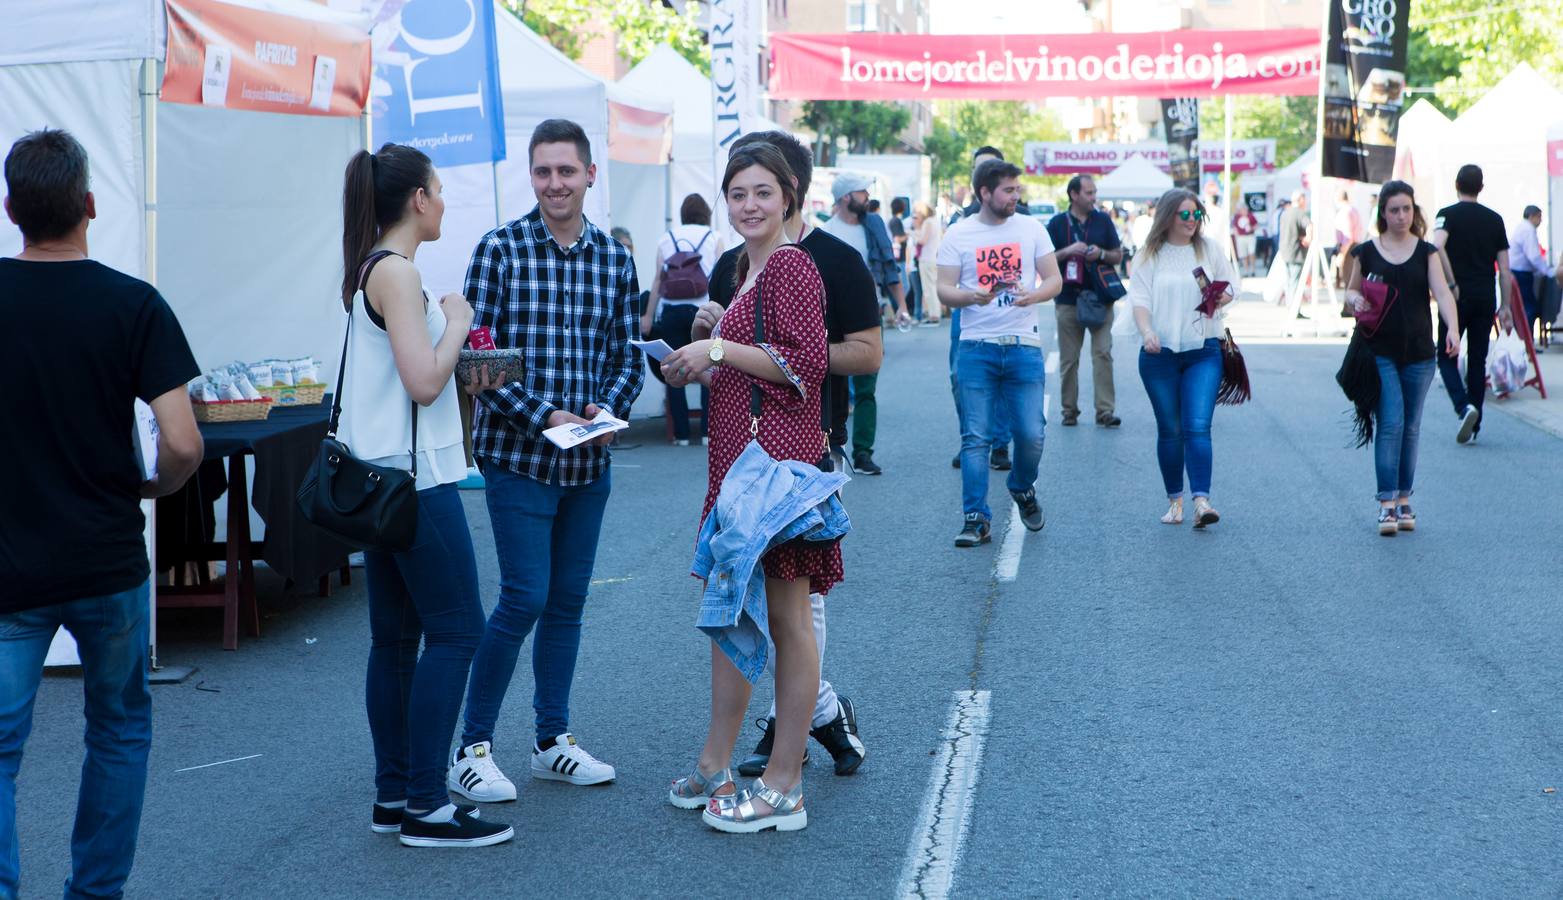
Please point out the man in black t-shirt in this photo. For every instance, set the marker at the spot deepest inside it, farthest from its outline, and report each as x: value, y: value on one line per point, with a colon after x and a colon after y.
x: 852, y: 327
x: 1472, y: 240
x: 82, y: 343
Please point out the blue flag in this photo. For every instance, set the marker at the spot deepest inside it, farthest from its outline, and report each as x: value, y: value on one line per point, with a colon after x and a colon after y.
x: 436, y: 80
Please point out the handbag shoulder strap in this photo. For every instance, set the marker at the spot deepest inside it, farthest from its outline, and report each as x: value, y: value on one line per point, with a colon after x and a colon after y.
x: 336, y: 398
x: 756, y: 398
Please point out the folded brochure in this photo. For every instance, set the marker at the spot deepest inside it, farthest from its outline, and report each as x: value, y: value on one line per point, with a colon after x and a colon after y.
x: 573, y: 434
x: 657, y: 349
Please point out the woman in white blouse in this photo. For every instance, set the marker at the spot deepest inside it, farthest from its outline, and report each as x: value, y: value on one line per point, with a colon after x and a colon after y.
x: 1180, y: 362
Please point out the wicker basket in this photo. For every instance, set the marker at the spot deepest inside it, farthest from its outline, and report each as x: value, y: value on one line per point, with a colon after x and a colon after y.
x: 290, y: 395
x: 232, y: 410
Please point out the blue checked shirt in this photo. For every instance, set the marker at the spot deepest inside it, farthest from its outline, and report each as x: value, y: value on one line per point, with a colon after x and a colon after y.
x: 573, y: 312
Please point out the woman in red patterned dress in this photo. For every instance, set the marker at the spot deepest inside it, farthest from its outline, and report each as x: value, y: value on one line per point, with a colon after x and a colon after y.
x: 789, y: 367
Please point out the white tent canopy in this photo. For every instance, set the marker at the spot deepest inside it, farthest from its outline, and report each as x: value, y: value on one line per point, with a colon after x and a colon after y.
x: 1137, y: 179
x: 1505, y: 132
x: 1554, y: 217
x: 247, y: 234
x: 537, y: 82
x: 667, y: 74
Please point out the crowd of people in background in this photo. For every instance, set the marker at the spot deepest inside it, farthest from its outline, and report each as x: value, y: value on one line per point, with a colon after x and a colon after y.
x: 781, y: 336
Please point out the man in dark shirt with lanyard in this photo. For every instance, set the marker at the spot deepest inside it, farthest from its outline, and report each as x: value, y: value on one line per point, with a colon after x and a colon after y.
x: 852, y: 324
x: 1472, y: 240
x: 1085, y: 238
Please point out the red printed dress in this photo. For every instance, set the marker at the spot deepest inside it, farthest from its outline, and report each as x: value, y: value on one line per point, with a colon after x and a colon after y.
x: 793, y: 306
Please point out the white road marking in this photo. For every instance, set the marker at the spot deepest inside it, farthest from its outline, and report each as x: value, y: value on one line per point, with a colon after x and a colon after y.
x: 1006, y: 565
x: 223, y: 763
x: 929, y: 873
x: 1052, y: 362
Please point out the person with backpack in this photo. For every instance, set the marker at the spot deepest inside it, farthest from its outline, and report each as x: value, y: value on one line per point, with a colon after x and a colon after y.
x: 685, y: 257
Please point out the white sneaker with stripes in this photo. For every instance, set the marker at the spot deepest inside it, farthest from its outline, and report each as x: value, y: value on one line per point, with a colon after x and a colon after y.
x: 474, y: 775
x: 566, y: 761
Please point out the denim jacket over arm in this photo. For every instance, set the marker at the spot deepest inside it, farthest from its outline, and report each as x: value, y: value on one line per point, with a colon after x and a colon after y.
x: 762, y: 503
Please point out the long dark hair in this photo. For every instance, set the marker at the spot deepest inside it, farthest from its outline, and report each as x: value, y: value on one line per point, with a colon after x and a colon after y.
x: 374, y: 198
x: 1395, y: 189
x: 770, y: 159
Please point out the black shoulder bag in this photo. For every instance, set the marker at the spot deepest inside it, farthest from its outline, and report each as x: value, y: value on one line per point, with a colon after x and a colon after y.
x: 368, y: 506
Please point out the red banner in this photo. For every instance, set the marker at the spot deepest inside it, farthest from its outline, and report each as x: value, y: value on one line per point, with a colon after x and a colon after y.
x: 241, y: 58
x: 1031, y: 67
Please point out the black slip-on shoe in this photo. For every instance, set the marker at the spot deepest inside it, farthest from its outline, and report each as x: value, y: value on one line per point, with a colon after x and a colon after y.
x: 464, y: 829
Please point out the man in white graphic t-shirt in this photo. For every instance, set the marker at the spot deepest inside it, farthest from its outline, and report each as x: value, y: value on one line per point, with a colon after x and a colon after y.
x: 997, y: 267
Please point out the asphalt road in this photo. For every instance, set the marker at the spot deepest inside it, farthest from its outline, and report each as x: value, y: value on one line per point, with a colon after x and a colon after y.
x: 1286, y: 705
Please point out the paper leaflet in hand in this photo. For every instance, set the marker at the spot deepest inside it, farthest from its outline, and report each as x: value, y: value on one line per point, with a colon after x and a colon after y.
x: 146, y: 440
x: 657, y: 349
x: 573, y: 434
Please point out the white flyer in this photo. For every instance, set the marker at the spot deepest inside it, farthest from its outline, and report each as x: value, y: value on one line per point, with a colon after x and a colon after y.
x: 566, y: 436
x: 146, y: 440
x: 657, y: 349
x: 324, y: 84
x: 214, y: 83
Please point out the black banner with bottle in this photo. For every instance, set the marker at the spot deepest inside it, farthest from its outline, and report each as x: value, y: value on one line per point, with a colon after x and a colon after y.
x: 1180, y: 121
x: 1363, y: 87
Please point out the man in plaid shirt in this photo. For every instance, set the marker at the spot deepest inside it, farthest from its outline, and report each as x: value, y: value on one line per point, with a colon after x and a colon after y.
x: 557, y: 287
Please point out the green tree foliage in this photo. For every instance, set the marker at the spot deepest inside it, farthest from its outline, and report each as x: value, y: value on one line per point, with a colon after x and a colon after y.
x: 865, y: 127
x: 961, y: 126
x: 641, y: 25
x: 1292, y: 121
x: 1462, y: 48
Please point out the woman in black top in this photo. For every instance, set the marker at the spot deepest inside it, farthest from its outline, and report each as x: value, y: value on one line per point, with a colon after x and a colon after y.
x: 1402, y: 345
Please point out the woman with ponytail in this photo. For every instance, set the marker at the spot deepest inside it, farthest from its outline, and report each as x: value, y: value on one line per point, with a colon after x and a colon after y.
x: 401, y: 352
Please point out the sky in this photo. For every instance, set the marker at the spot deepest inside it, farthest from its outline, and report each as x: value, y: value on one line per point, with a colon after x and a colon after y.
x: 1007, y: 17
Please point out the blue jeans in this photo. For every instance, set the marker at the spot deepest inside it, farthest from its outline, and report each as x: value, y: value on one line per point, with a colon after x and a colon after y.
x: 428, y: 592
x: 546, y: 537
x: 999, y: 381
x: 1001, y: 430
x: 1402, y: 390
x: 111, y: 635
x: 1182, y: 388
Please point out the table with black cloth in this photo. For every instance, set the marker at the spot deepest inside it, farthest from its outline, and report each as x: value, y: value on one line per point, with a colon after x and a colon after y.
x: 284, y: 445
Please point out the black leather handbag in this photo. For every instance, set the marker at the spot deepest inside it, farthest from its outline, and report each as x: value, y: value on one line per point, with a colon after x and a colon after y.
x: 368, y: 506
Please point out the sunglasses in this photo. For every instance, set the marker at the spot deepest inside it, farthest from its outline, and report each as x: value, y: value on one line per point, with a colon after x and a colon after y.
x: 1197, y: 215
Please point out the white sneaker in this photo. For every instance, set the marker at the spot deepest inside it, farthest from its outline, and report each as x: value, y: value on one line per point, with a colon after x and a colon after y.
x: 474, y: 775
x: 566, y: 761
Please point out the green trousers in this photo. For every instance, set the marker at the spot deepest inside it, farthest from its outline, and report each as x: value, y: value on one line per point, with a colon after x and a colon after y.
x: 865, y: 413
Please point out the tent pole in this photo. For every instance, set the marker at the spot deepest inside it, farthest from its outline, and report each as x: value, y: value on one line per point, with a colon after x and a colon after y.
x: 1226, y: 176
x: 498, y: 207
x: 149, y: 272
x: 667, y: 193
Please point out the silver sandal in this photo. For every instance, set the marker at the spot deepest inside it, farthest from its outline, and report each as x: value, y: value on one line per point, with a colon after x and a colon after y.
x: 737, y: 814
x: 693, y: 790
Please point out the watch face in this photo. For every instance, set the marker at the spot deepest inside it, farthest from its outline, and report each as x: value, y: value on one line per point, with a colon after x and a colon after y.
x: 716, y: 354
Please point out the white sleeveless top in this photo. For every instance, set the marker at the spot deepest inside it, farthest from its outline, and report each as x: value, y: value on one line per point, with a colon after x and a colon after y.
x: 376, y: 419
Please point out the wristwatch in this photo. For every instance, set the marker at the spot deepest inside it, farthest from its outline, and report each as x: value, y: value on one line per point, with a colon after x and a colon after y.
x: 716, y: 353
